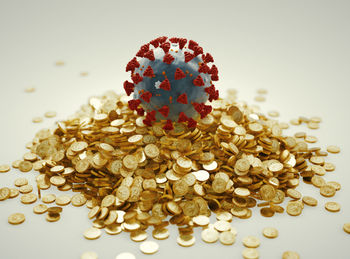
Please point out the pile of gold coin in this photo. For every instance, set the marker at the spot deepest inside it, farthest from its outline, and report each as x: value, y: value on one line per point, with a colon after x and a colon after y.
x: 133, y: 177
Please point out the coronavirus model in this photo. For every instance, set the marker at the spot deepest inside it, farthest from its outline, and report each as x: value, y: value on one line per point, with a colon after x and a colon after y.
x: 172, y: 80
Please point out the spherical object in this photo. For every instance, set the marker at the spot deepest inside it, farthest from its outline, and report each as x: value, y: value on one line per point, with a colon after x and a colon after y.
x: 172, y: 79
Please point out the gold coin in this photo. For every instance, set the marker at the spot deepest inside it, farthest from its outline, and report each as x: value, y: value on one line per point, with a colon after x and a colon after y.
x: 151, y: 151
x: 223, y: 215
x: 15, y: 164
x: 40, y: 209
x: 270, y: 232
x: 89, y: 255
x: 37, y: 119
x: 201, y: 220
x: 48, y: 198
x: 329, y: 167
x: 267, y: 212
x: 13, y: 192
x: 290, y: 255
x: 327, y: 190
x: 210, y: 235
x: 4, y: 193
x: 78, y: 146
x: 336, y: 185
x: 29, y: 89
x: 53, y: 217
x: 251, y: 242
x: 149, y: 247
x: 313, y: 125
x: 63, y: 200
x: 250, y: 253
x: 227, y: 238
x: 308, y: 200
x: 332, y: 206
x: 50, y: 114
x: 94, y: 211
x: 222, y: 225
x: 273, y: 113
x: 28, y: 198
x: 25, y: 166
x: 57, y: 180
x: 130, y: 162
x: 311, y: 139
x: 294, y: 208
x: 242, y: 192
x: 346, y: 228
x: 108, y: 201
x: 138, y: 235
x: 318, y: 181
x: 333, y: 149
x: 54, y: 210
x: 92, y: 233
x: 261, y: 91
x: 294, y: 194
x: 59, y: 63
x: 267, y: 192
x: 26, y: 188
x: 16, y: 218
x: 259, y: 98
x: 186, y: 240
x: 113, y: 229
x: 160, y: 233
x: 4, y: 168
x: 20, y: 182
x: 78, y: 200
x: 125, y: 255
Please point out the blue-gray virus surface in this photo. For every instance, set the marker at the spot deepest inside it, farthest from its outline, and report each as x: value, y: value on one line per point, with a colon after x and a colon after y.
x: 171, y: 81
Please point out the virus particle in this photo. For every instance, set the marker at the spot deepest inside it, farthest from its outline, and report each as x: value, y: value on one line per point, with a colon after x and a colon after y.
x: 171, y: 81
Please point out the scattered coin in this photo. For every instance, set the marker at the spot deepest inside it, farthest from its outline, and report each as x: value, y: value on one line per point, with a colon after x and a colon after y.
x: 89, y: 255
x: 250, y: 253
x: 4, y: 193
x: 160, y: 233
x: 28, y: 198
x: 37, y: 119
x: 40, y: 209
x: 149, y: 247
x: 4, y: 168
x: 29, y: 89
x: 251, y: 242
x: 332, y: 206
x: 327, y: 190
x: 13, y: 193
x: 16, y: 218
x: 270, y: 232
x: 78, y: 200
x: 290, y: 255
x: 138, y: 235
x: 25, y: 166
x: 210, y: 235
x: 308, y: 200
x: 346, y: 227
x: 48, y: 198
x: 227, y: 238
x: 186, y: 240
x: 333, y: 149
x: 63, y: 200
x: 92, y: 233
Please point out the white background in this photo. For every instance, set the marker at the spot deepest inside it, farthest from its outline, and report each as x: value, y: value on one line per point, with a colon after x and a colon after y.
x: 298, y: 50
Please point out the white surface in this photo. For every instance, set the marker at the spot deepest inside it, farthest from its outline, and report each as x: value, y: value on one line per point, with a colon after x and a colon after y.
x: 298, y: 50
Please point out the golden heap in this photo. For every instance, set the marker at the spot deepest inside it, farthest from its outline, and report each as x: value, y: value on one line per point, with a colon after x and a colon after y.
x: 136, y: 176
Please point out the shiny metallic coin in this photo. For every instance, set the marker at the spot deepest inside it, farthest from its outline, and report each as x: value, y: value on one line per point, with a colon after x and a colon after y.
x: 149, y: 247
x: 16, y: 218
